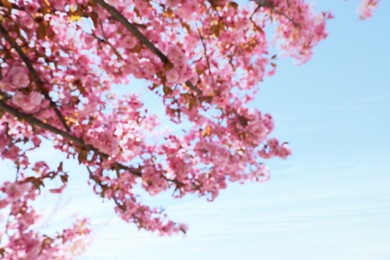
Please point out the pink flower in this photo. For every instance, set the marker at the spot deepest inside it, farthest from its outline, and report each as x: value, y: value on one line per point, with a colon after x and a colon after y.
x: 172, y: 76
x: 12, y: 153
x: 104, y: 140
x: 367, y: 8
x: 57, y: 4
x: 176, y: 56
x: 29, y: 102
x: 58, y: 190
x: 284, y: 151
x: 130, y: 42
x: 172, y: 3
x: 14, y: 190
x: 18, y: 77
x: 36, y: 141
x: 4, y: 140
x: 3, y: 203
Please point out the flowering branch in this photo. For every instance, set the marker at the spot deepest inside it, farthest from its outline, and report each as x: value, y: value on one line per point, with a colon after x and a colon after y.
x: 36, y: 122
x: 144, y: 40
x: 34, y: 73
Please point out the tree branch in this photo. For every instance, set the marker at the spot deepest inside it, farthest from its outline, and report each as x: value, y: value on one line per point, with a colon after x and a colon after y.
x: 207, y: 58
x: 131, y: 28
x: 144, y: 40
x: 267, y: 4
x: 78, y: 141
x: 34, y: 73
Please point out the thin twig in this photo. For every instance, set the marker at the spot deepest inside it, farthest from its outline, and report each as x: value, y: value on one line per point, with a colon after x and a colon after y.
x: 105, y: 41
x: 102, y: 186
x: 207, y: 57
x: 204, y: 50
x: 253, y: 22
x: 285, y: 16
x: 266, y: 3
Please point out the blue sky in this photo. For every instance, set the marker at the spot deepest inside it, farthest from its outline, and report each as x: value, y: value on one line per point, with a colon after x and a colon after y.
x: 329, y: 200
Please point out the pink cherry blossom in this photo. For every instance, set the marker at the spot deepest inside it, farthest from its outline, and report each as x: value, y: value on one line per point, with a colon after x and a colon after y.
x: 62, y: 63
x: 367, y: 8
x: 4, y: 140
x: 28, y: 103
x: 18, y: 77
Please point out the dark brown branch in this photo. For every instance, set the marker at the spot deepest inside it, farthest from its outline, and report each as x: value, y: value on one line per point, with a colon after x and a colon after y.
x: 267, y: 4
x: 144, y: 40
x: 253, y: 22
x: 34, y: 73
x: 285, y: 16
x: 78, y: 141
x: 131, y: 28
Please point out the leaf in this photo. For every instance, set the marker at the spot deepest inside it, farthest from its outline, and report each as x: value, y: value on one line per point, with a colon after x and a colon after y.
x: 37, y: 183
x: 167, y: 90
x: 168, y: 66
x: 190, y: 100
x: 217, y: 28
x: 191, y: 103
x: 233, y: 4
x: 46, y: 7
x: 7, y: 4
x: 79, y: 86
x: 59, y: 168
x: 188, y: 28
x: 178, y: 112
x: 75, y: 14
x: 75, y: 17
x: 95, y: 18
x: 154, y: 86
x: 82, y: 157
x: 41, y: 30
x: 136, y: 11
x: 207, y: 131
x: 169, y: 13
x: 64, y: 178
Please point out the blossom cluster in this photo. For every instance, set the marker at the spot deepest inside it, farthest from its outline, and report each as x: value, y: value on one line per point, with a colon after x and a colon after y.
x: 367, y: 8
x: 61, y: 61
x: 22, y: 241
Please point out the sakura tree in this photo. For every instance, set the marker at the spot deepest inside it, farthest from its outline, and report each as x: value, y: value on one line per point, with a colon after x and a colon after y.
x: 60, y: 61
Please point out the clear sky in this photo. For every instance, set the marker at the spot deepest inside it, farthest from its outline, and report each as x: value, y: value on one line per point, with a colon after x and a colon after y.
x: 329, y: 200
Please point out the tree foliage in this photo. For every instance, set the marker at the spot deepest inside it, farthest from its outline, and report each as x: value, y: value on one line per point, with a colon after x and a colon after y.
x: 60, y: 61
